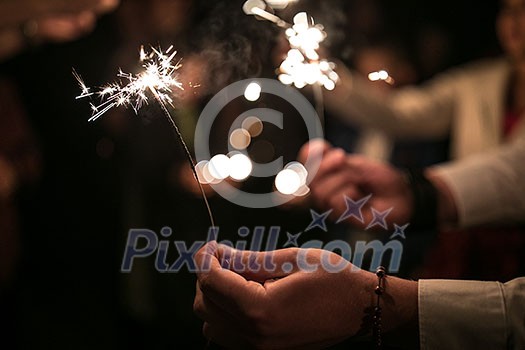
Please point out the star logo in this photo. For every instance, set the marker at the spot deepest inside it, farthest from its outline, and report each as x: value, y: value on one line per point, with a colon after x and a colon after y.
x: 354, y: 209
x: 379, y: 218
x: 292, y: 239
x: 399, y: 231
x: 318, y: 220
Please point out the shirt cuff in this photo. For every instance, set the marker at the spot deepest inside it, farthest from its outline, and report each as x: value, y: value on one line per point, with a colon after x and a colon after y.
x: 488, y: 188
x: 461, y: 315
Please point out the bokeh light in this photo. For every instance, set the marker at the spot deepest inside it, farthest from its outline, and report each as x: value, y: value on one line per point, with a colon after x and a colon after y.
x: 220, y: 167
x: 287, y: 182
x: 253, y: 125
x: 253, y: 92
x: 300, y: 170
x: 240, y: 166
x: 302, y: 191
x: 381, y: 75
x: 240, y: 139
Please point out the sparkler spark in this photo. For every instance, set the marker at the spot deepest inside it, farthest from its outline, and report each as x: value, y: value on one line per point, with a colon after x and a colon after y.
x: 159, y: 77
x: 303, y: 65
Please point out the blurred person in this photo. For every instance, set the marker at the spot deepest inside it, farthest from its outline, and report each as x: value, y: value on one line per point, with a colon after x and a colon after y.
x: 479, y: 106
x: 25, y: 24
x: 253, y: 307
x: 374, y: 57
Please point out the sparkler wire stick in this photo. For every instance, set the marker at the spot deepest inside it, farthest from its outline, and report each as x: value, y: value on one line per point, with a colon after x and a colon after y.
x: 270, y: 17
x: 187, y: 152
x: 319, y: 103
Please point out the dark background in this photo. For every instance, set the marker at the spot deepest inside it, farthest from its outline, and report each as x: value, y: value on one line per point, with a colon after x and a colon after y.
x: 68, y: 291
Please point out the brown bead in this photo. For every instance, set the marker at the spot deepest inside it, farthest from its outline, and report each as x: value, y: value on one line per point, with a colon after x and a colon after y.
x: 380, y: 272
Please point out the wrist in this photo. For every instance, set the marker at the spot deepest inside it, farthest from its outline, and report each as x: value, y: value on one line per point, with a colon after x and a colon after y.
x: 399, y: 308
x: 400, y: 313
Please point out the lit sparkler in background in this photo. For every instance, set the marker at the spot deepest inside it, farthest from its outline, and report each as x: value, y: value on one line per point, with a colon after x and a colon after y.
x: 158, y: 80
x: 303, y: 65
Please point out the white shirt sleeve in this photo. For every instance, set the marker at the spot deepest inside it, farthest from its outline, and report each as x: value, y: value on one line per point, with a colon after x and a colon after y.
x: 471, y: 315
x: 488, y: 188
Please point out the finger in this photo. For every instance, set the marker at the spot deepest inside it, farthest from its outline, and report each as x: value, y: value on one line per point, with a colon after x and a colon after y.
x: 333, y: 161
x: 225, y: 287
x: 260, y: 266
x: 361, y: 165
x: 314, y: 148
x: 224, y: 335
x: 335, y: 181
x: 330, y: 193
x: 210, y: 312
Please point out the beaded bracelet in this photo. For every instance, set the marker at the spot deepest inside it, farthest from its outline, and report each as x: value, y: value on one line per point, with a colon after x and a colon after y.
x: 379, y: 290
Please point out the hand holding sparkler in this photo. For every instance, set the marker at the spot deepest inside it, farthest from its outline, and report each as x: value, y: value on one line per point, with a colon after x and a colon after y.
x: 290, y: 298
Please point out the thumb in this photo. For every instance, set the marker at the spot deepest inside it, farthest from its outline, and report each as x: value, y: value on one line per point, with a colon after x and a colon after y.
x: 234, y: 278
x: 314, y: 148
x: 259, y: 266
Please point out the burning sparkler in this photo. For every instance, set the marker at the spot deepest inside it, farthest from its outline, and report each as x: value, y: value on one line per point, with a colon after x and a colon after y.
x: 157, y: 80
x: 159, y: 77
x: 303, y: 65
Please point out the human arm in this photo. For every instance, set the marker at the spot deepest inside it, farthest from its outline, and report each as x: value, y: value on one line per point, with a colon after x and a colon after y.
x: 472, y: 314
x: 15, y: 12
x: 274, y: 308
x: 243, y: 307
x: 412, y: 112
x: 45, y: 21
x: 483, y: 189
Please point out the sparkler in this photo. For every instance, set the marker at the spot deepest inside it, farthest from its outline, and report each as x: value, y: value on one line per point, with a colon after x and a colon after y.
x: 159, y: 80
x: 302, y: 65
